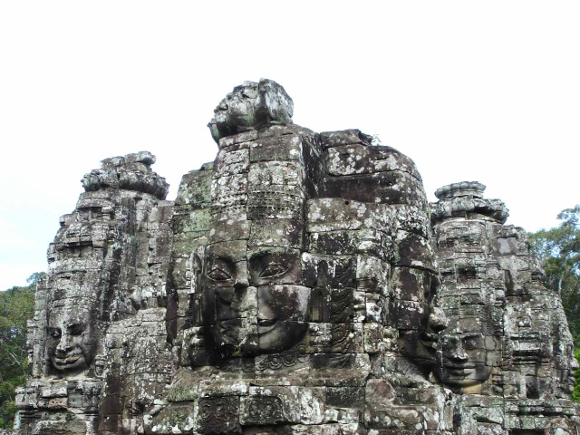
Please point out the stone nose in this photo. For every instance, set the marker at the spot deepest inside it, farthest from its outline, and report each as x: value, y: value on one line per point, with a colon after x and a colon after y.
x: 458, y: 353
x: 241, y: 278
x: 64, y: 343
x: 437, y: 319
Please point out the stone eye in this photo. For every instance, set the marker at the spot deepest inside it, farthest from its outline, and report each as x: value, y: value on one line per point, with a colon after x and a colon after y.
x: 470, y: 344
x: 218, y: 274
x: 54, y: 332
x: 77, y: 329
x: 272, y: 269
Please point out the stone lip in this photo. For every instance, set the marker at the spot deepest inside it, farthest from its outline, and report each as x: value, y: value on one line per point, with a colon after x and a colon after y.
x: 129, y: 172
x: 465, y: 199
x: 463, y: 188
x: 251, y: 106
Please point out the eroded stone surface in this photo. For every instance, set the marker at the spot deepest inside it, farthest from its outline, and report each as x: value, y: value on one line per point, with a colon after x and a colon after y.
x: 507, y: 337
x: 299, y: 284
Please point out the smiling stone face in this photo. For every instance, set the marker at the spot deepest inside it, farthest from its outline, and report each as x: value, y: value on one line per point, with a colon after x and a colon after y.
x: 317, y: 242
x: 469, y: 350
x: 71, y: 340
x: 257, y: 304
x: 466, y: 360
x: 419, y: 321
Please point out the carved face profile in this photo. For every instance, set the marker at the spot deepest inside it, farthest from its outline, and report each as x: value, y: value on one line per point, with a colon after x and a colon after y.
x: 251, y: 105
x: 420, y: 345
x: 71, y: 340
x: 422, y: 323
x: 235, y: 113
x: 568, y: 376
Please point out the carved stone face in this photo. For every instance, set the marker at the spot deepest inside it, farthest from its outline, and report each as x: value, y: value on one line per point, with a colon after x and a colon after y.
x: 71, y: 341
x: 235, y: 113
x: 420, y: 345
x: 466, y: 359
x: 419, y: 325
x: 251, y: 105
x: 255, y: 304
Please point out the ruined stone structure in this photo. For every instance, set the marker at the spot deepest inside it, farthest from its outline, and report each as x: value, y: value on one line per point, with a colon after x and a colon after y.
x: 507, y: 334
x: 299, y: 284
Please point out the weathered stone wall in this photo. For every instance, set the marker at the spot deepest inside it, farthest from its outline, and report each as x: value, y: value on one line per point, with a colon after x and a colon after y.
x: 300, y: 283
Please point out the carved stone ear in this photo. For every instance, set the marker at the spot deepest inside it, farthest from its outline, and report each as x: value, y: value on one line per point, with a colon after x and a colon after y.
x: 197, y: 270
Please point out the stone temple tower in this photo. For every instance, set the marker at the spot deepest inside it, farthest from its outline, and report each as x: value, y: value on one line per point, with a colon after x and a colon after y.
x: 299, y: 284
x: 507, y: 336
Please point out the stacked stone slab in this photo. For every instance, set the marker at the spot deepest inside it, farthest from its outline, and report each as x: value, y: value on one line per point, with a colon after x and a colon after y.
x: 506, y: 338
x: 290, y: 288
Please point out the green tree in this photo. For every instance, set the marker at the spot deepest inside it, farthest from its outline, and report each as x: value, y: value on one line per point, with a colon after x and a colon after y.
x: 576, y: 392
x: 16, y: 307
x: 559, y: 250
x: 35, y: 278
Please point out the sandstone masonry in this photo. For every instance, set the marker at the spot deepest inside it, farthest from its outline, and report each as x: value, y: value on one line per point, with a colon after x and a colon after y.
x: 299, y: 284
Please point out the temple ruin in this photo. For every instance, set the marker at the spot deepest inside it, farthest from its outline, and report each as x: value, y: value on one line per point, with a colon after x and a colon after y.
x: 299, y: 284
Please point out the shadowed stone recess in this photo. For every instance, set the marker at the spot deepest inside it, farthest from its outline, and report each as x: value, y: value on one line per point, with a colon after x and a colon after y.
x: 299, y: 284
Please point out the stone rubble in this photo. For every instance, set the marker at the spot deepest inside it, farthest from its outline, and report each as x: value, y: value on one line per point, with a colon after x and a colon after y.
x: 299, y: 284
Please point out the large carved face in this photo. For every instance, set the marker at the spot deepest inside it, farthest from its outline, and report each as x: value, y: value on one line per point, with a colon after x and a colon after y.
x: 253, y: 299
x: 71, y: 339
x: 465, y: 359
x: 468, y: 352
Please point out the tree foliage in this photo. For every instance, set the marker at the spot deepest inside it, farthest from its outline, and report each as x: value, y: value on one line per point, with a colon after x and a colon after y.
x: 559, y: 250
x: 16, y: 307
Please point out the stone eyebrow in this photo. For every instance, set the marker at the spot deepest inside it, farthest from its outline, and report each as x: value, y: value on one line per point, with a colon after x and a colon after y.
x: 475, y: 335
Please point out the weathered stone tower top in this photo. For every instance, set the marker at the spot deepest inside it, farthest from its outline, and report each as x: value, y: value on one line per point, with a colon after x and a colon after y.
x: 249, y: 106
x: 465, y: 188
x: 130, y: 172
x: 465, y: 199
